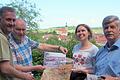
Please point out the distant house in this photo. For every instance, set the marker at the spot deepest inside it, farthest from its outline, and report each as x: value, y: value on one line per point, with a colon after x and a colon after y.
x: 62, y: 33
x: 100, y: 39
x: 47, y: 36
x: 62, y: 37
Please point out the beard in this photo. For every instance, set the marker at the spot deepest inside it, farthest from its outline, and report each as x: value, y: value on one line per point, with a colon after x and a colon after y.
x: 18, y: 38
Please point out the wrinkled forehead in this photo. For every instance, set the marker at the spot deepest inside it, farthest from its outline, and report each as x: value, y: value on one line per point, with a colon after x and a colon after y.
x: 20, y: 22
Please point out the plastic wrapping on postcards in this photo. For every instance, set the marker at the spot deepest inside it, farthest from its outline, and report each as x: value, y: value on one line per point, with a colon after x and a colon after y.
x: 54, y: 59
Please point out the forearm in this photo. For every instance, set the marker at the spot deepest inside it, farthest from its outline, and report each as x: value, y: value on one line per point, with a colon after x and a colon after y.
x: 82, y: 70
x: 111, y: 78
x: 48, y: 47
x: 54, y: 48
x: 88, y: 71
x: 29, y: 68
x: 24, y: 68
x: 9, y: 70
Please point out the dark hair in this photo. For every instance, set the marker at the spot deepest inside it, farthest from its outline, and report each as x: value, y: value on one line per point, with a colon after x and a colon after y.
x: 87, y: 27
x: 78, y: 76
x: 5, y: 9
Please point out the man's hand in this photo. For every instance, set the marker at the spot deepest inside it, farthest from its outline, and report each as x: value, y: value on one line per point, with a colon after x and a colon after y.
x: 28, y: 76
x: 39, y: 67
x: 111, y: 78
x: 62, y: 49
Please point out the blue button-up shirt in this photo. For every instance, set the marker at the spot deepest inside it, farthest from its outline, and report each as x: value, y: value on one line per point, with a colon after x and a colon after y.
x: 22, y: 52
x: 108, y: 60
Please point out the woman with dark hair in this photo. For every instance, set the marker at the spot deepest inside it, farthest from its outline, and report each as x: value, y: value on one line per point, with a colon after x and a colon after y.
x: 83, y: 53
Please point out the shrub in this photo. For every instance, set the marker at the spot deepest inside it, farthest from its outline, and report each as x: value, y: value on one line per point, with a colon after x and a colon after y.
x: 38, y: 55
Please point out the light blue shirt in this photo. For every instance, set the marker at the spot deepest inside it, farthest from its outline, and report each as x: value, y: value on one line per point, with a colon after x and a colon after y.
x: 22, y: 52
x: 108, y: 60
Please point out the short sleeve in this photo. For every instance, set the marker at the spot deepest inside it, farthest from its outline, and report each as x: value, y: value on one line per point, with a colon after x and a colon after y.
x: 33, y: 44
x: 95, y: 49
x: 4, y: 48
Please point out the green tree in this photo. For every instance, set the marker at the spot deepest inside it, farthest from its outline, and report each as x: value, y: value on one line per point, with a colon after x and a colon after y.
x: 27, y: 11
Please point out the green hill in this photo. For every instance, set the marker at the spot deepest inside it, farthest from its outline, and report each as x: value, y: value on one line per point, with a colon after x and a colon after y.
x: 71, y: 29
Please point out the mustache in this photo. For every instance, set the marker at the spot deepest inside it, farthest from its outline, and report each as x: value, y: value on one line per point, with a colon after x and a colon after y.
x: 109, y: 33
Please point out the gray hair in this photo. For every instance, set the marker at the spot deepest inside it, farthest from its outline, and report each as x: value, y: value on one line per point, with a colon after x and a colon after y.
x: 110, y: 19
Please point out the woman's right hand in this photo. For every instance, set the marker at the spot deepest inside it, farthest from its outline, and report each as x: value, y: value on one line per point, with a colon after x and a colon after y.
x: 82, y: 70
x: 76, y: 70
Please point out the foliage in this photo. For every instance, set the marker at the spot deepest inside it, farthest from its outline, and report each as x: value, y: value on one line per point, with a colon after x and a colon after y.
x: 69, y: 45
x: 38, y: 55
x: 27, y: 11
x: 37, y: 60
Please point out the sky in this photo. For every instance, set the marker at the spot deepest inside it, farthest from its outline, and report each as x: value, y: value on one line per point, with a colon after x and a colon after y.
x: 55, y: 13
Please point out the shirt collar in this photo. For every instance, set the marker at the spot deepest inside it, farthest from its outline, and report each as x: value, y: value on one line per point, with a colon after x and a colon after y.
x: 11, y: 37
x: 115, y: 46
x: 117, y: 43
